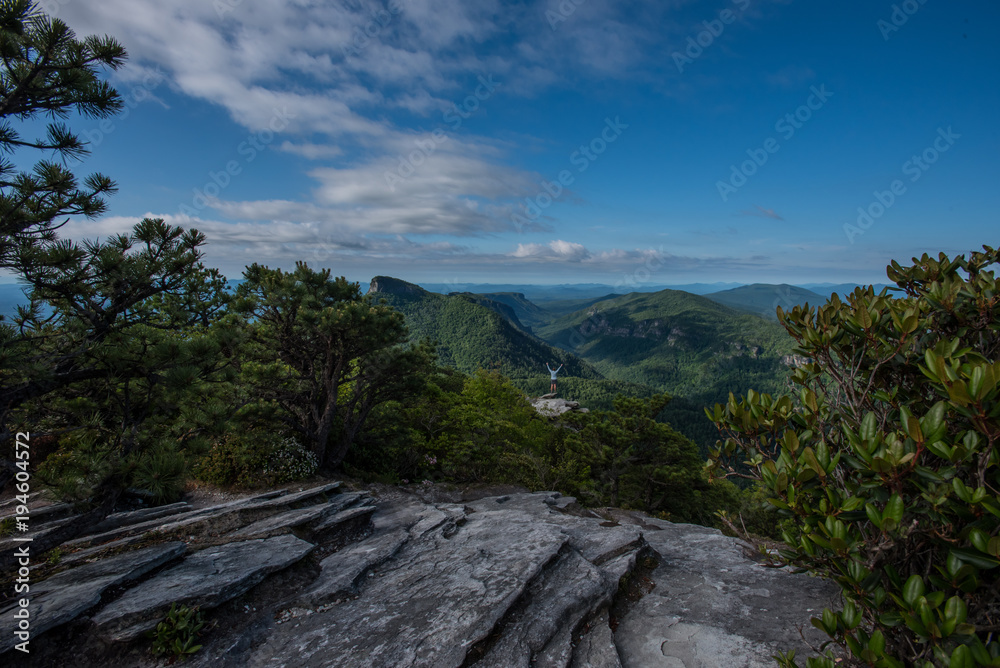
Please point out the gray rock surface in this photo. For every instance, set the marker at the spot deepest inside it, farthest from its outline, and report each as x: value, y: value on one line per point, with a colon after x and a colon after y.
x: 340, y: 571
x: 332, y: 524
x: 713, y: 606
x: 284, y: 522
x: 205, y: 579
x: 435, y: 601
x: 523, y: 579
x: 551, y: 406
x: 118, y: 520
x: 558, y: 599
x: 597, y: 648
x: 66, y: 595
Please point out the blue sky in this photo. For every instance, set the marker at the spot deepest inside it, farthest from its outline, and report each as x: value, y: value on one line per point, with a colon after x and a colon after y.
x: 717, y: 140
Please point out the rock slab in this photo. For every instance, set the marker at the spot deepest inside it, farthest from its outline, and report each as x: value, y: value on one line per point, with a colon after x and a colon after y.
x: 206, y: 579
x: 438, y: 598
x: 713, y: 606
x: 67, y: 595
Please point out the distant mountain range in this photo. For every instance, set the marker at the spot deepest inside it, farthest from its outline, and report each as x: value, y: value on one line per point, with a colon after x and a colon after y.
x: 827, y: 289
x: 541, y: 294
x: 697, y: 348
x: 544, y: 293
x: 676, y: 342
x: 672, y: 341
x: 764, y: 299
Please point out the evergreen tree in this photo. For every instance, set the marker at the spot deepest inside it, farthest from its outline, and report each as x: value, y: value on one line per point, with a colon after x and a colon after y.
x: 117, y: 334
x: 321, y: 356
x: 47, y: 71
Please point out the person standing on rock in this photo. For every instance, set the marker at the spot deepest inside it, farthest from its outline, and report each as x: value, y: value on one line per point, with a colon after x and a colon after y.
x: 553, y: 373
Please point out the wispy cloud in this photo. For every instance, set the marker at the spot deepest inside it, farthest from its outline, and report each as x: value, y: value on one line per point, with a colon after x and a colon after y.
x: 760, y: 212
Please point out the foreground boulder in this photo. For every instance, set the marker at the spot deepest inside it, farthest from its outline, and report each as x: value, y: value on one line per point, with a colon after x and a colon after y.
x: 321, y: 578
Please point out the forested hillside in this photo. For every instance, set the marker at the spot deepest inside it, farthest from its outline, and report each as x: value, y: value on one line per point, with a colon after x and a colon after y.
x: 472, y: 333
x: 676, y: 342
x: 527, y: 312
x: 635, y: 345
x: 471, y: 336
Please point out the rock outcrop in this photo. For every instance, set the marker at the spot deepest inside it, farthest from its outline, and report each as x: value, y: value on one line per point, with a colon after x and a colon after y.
x: 319, y: 578
x: 549, y: 405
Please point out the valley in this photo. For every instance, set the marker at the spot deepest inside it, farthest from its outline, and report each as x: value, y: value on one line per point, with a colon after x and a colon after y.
x: 696, y: 348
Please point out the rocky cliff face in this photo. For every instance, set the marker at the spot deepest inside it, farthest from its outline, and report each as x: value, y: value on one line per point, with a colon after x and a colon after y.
x: 318, y: 577
x: 394, y: 286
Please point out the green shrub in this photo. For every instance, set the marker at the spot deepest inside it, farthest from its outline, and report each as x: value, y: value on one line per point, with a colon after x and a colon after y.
x: 82, y: 461
x: 162, y: 472
x: 178, y: 632
x: 886, y: 462
x: 255, y: 459
x: 755, y: 516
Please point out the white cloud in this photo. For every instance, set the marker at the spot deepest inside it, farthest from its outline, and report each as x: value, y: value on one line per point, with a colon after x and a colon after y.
x: 564, y: 251
x: 311, y: 151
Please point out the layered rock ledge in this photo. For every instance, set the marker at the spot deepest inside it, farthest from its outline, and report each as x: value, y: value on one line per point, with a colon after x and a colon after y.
x: 318, y: 578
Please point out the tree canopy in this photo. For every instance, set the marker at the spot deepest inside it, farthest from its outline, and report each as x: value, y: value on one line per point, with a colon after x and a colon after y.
x: 48, y: 71
x: 886, y: 464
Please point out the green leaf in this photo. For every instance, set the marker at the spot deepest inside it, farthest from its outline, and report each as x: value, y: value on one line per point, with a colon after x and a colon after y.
x: 979, y: 539
x: 877, y: 643
x: 940, y: 449
x: 955, y: 610
x: 993, y: 547
x: 976, y: 381
x: 874, y: 516
x: 791, y: 441
x: 851, y: 615
x: 933, y: 424
x: 958, y: 393
x: 869, y: 427
x: 961, y: 658
x: 913, y: 589
x: 961, y: 490
x: 829, y: 621
x: 853, y: 503
x: 894, y: 509
x: 975, y: 558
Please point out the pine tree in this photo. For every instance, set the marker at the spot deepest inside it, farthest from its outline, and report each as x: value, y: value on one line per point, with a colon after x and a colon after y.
x: 47, y: 71
x: 321, y: 355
